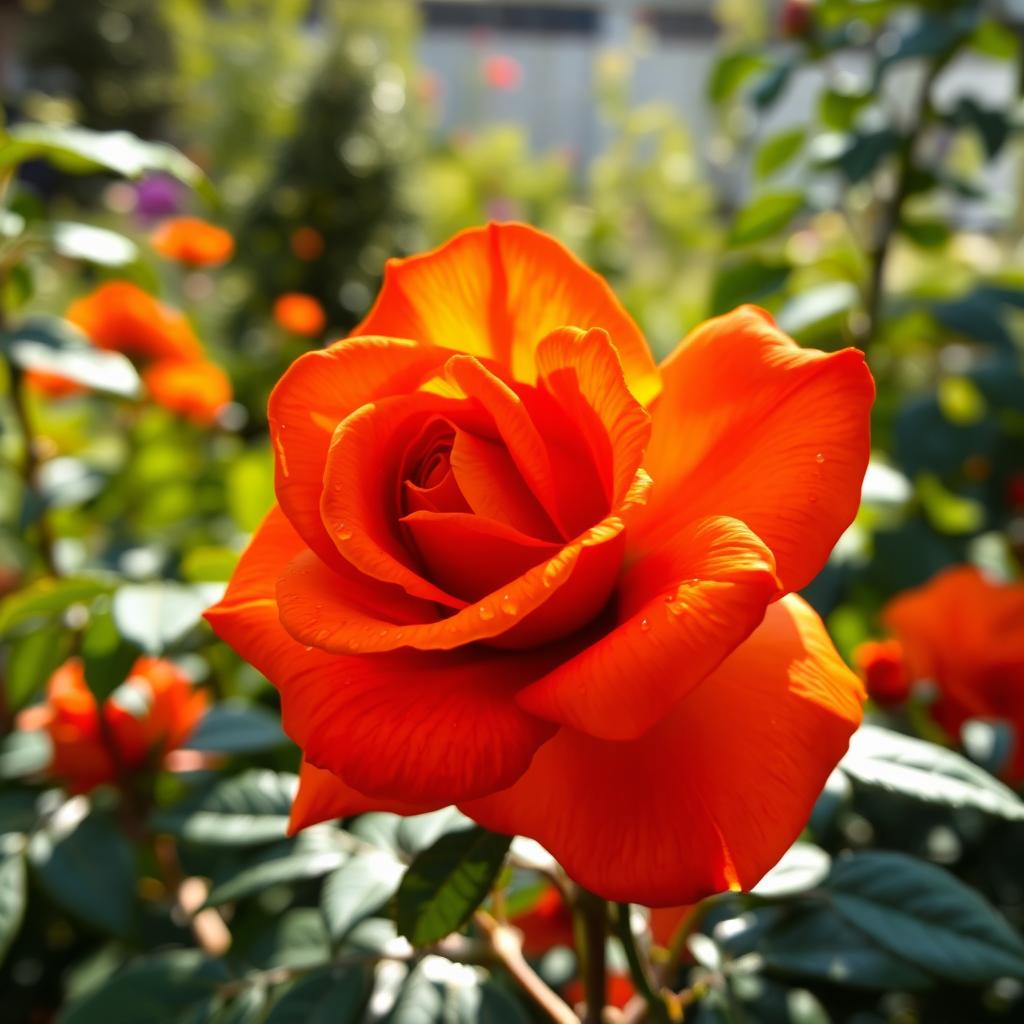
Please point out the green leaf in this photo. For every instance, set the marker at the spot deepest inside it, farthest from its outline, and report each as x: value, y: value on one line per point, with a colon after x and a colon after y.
x: 358, y: 889
x: 802, y: 867
x: 438, y: 991
x: 329, y: 996
x: 86, y: 866
x: 731, y: 71
x: 18, y: 811
x: 746, y: 280
x: 810, y: 940
x: 52, y: 345
x: 93, y: 244
x: 926, y: 915
x: 243, y: 810
x: 236, y: 727
x: 447, y: 882
x: 865, y: 151
x: 813, y: 308
x: 297, y: 939
x: 315, y: 852
x: 922, y: 771
x: 13, y: 895
x: 250, y: 487
x: 249, y: 1007
x: 45, y: 599
x: 151, y: 990
x: 32, y: 659
x: 155, y: 615
x: 81, y: 151
x: 839, y: 109
x: 778, y: 151
x: 772, y: 84
x: 24, y: 753
x: 765, y: 216
x: 106, y: 658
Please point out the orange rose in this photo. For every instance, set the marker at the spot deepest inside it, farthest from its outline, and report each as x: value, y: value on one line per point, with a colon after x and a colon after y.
x: 471, y: 592
x: 884, y: 671
x: 197, y: 390
x: 121, y: 316
x: 966, y: 634
x: 300, y: 314
x: 193, y: 241
x: 151, y: 714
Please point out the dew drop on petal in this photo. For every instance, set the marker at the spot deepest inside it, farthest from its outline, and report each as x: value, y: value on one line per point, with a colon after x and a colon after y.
x: 344, y: 533
x: 486, y: 613
x: 819, y: 458
x: 508, y: 605
x: 645, y: 625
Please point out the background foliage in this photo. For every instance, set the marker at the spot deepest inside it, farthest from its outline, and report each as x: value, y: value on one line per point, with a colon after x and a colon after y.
x: 889, y: 217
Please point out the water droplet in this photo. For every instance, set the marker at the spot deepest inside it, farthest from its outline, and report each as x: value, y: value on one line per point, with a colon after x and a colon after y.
x: 399, y: 635
x: 645, y: 625
x: 508, y: 605
x: 309, y: 648
x: 343, y: 532
x: 383, y: 632
x: 486, y: 613
x: 819, y: 458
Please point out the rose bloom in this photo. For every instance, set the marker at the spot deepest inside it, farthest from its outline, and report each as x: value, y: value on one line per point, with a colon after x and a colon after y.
x: 516, y: 566
x: 965, y: 633
x: 120, y: 316
x: 193, y: 241
x: 150, y: 715
x: 300, y: 314
x: 883, y: 668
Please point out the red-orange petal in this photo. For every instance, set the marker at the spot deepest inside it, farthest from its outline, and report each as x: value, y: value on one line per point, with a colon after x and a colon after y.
x: 495, y: 291
x: 752, y: 426
x: 316, y: 393
x: 197, y: 390
x: 713, y: 796
x: 679, y: 617
x: 391, y: 726
x: 582, y: 372
x: 322, y: 796
x: 193, y: 241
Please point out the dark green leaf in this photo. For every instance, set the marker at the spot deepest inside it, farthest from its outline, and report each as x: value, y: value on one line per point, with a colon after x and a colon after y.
x: 765, y: 216
x: 153, y: 990
x: 249, y: 1007
x: 772, y: 84
x: 838, y: 109
x: 746, y: 280
x: 991, y: 124
x: 358, y: 889
x: 865, y: 151
x: 106, y: 657
x: 55, y: 346
x: 13, y: 895
x: 18, y: 811
x: 44, y: 599
x: 924, y: 771
x: 235, y: 727
x: 86, y: 866
x: 243, y: 810
x: 297, y: 939
x: 926, y: 915
x: 447, y: 882
x: 927, y: 233
x: 329, y: 996
x: 777, y: 151
x: 802, y: 867
x: 81, y: 151
x: 316, y: 852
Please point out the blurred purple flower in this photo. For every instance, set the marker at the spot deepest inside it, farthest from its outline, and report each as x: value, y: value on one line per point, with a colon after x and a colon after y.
x: 159, y: 195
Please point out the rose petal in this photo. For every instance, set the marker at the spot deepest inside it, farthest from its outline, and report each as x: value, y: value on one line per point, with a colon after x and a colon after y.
x: 714, y: 795
x: 495, y: 291
x: 752, y: 426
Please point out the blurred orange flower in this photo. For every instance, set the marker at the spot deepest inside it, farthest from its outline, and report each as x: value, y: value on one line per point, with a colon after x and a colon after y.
x: 518, y: 567
x: 501, y: 72
x: 121, y: 316
x: 965, y: 633
x: 300, y: 314
x: 53, y: 385
x: 193, y: 241
x: 197, y: 390
x: 150, y: 714
x: 882, y: 667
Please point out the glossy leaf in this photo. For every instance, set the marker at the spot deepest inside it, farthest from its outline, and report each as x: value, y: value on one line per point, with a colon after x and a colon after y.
x: 329, y: 996
x: 234, y: 727
x: 447, y: 882
x: 358, y: 889
x: 13, y: 894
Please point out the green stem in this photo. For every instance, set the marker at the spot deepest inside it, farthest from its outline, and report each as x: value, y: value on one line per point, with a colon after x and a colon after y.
x: 637, y: 969
x: 593, y: 931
